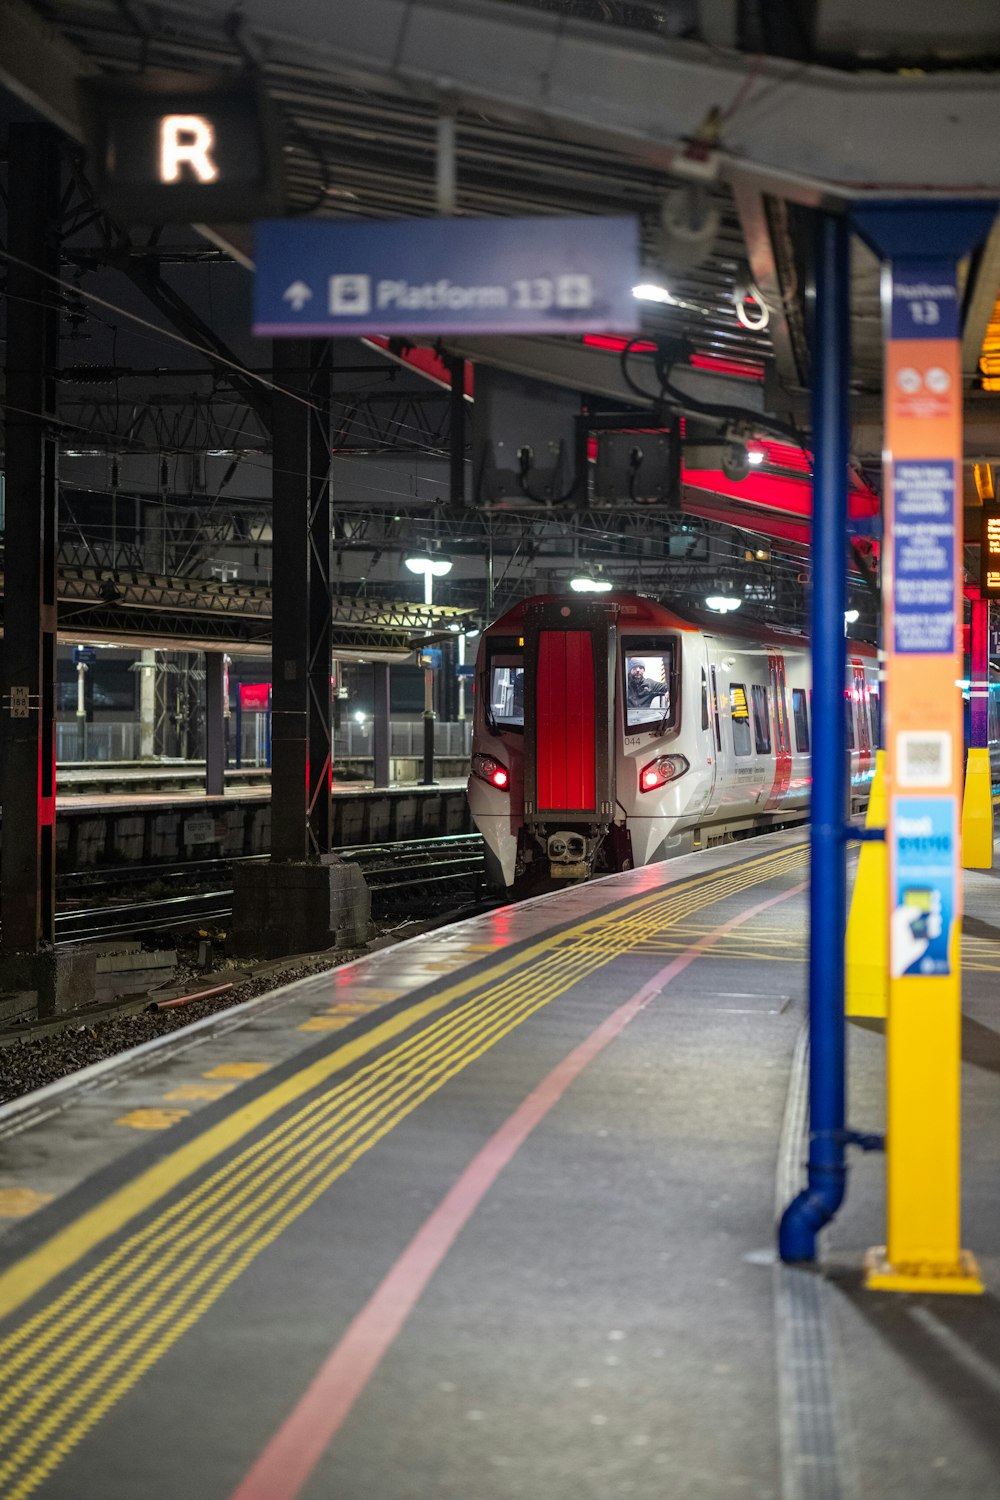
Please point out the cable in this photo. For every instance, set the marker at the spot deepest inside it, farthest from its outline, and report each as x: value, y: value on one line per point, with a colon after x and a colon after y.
x: 663, y: 364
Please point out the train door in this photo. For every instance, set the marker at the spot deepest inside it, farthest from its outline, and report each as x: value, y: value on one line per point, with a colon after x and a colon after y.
x: 782, y: 731
x: 859, y: 692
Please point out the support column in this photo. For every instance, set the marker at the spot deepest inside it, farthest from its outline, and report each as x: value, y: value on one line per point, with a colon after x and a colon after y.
x: 977, y: 797
x: 305, y: 899
x: 922, y: 598
x: 215, y: 724
x: 320, y: 767
x: 979, y: 671
x: 290, y: 591
x: 147, y: 705
x: 817, y: 1204
x: 27, y: 744
x: 382, y: 724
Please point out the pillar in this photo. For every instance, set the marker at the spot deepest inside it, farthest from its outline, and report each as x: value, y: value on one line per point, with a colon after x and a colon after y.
x: 817, y: 1204
x: 27, y: 683
x: 215, y: 724
x: 382, y: 724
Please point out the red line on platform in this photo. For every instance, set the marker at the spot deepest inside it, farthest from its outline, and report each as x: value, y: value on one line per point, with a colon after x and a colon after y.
x: 286, y: 1464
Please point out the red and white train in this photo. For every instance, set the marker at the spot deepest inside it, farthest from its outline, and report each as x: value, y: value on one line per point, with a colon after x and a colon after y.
x: 612, y: 732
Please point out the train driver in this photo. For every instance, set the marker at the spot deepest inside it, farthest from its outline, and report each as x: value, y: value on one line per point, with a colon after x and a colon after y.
x: 640, y: 692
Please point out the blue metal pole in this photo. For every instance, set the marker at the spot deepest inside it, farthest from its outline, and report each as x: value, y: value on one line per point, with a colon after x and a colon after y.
x: 827, y: 1180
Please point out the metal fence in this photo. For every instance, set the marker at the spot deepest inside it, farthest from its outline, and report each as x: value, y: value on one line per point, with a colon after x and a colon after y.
x: 406, y: 738
x: 120, y: 740
x: 110, y: 741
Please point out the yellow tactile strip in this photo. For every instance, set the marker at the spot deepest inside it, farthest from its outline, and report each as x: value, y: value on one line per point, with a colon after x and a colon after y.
x: 72, y: 1360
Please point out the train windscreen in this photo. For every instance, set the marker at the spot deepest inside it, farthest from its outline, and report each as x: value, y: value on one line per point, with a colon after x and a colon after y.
x: 650, y: 682
x: 505, y: 682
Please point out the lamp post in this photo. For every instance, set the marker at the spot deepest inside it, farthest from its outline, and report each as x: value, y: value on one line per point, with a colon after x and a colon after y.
x: 431, y: 565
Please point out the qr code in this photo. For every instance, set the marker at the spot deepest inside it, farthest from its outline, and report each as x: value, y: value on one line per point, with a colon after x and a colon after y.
x: 923, y: 759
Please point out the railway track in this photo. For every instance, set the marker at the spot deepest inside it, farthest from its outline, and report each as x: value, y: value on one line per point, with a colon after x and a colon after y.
x: 404, y: 876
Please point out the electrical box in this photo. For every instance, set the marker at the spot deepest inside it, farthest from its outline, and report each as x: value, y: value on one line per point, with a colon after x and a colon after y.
x: 638, y: 468
x: 528, y: 443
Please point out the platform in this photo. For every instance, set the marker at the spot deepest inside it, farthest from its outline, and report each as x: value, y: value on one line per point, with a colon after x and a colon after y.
x: 490, y: 1214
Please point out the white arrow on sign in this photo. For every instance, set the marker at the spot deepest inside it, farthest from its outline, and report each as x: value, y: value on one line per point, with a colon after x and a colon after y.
x: 298, y: 294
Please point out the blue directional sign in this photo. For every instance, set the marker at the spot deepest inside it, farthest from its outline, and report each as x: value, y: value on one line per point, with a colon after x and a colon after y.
x: 433, y: 276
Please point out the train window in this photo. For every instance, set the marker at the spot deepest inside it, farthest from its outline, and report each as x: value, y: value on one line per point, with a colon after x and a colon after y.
x: 704, y: 699
x: 849, y: 717
x: 505, y: 705
x: 650, y: 681
x: 761, y: 727
x: 800, y: 714
x: 715, y: 711
x: 875, y: 709
x: 741, y: 718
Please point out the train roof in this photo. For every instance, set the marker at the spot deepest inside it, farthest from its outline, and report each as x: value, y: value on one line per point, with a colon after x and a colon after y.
x: 638, y: 609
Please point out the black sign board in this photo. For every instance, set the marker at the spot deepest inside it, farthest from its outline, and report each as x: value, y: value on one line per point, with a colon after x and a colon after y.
x: 989, y: 553
x: 183, y: 148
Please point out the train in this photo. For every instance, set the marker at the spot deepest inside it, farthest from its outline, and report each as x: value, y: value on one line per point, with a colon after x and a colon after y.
x: 611, y: 732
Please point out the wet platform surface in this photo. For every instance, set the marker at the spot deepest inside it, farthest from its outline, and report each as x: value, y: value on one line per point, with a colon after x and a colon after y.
x: 491, y: 1213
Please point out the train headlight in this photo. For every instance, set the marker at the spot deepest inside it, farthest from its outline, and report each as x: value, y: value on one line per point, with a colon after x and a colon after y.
x: 661, y: 770
x: 492, y: 771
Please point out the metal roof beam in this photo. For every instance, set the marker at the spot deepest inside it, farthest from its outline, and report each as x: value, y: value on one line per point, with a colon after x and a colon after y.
x: 805, y: 132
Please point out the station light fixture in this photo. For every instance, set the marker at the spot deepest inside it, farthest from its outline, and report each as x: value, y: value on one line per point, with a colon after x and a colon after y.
x: 851, y: 616
x: 651, y: 291
x: 590, y: 580
x: 755, y: 456
x: 436, y: 564
x: 722, y: 603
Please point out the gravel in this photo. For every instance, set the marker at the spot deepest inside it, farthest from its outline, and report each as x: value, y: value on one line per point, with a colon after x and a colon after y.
x: 34, y: 1062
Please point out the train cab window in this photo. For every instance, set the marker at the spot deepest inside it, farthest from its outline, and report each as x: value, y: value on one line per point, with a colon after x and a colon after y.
x: 704, y: 699
x: 800, y: 714
x: 761, y: 726
x: 650, y: 682
x: 505, y: 705
x: 740, y: 714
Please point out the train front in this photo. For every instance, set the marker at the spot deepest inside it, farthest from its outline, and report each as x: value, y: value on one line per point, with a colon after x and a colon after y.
x: 551, y: 780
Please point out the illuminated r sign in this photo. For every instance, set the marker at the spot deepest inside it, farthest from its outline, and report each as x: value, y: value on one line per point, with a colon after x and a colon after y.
x: 187, y: 140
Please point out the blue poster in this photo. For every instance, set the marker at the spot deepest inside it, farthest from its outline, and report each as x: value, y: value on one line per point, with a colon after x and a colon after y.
x: 429, y: 276
x: 924, y: 555
x: 924, y: 300
x: 923, y: 865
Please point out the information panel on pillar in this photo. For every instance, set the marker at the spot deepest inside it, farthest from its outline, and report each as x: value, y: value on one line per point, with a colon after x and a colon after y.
x: 989, y: 576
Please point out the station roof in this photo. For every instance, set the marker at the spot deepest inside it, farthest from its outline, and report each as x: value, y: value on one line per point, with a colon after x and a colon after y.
x: 560, y: 106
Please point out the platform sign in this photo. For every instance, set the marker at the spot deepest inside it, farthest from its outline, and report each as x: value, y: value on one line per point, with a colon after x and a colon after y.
x: 439, y: 276
x: 183, y: 147
x: 924, y: 760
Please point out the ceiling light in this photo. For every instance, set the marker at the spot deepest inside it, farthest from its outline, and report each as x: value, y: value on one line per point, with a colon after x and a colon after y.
x: 852, y: 616
x: 586, y: 583
x: 756, y: 456
x: 437, y: 564
x: 722, y: 603
x: 649, y: 291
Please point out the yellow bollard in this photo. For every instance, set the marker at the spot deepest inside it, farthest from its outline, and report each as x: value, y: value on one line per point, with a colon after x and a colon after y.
x: 866, y: 988
x: 977, y: 813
